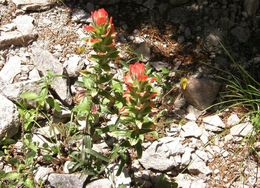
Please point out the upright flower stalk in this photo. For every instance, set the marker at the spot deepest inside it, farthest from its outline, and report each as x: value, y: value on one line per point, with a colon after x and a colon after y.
x: 96, y: 81
x: 139, y: 92
x: 139, y: 95
x: 102, y: 37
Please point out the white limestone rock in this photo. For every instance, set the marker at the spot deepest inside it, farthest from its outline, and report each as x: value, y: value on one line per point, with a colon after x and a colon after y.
x: 9, y: 118
x: 159, y: 154
x: 213, y: 123
x: 233, y: 119
x: 242, y: 129
x: 10, y: 69
x: 191, y: 129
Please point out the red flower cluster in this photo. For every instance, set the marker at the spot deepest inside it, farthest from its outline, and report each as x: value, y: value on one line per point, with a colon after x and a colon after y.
x: 139, y: 89
x: 102, y: 29
x: 137, y: 72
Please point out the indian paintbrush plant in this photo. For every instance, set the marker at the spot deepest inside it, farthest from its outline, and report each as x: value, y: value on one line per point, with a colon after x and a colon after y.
x: 104, y: 92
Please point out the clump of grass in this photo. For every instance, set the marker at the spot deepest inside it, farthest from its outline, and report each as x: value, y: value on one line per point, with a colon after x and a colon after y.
x: 243, y: 90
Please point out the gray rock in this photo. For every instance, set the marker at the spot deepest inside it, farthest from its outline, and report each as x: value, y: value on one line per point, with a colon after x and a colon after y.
x: 149, y: 4
x: 105, y: 2
x: 159, y: 65
x: 44, y: 62
x: 33, y: 4
x: 48, y: 131
x: 241, y: 34
x: 144, y: 50
x: 242, y: 129
x: 90, y: 7
x: 186, y: 157
x: 213, y: 123
x: 180, y: 39
x: 197, y: 183
x: 8, y: 27
x: 198, y: 166
x: 163, y: 8
x: 11, y: 69
x: 8, y: 168
x: 79, y: 15
x: 16, y: 38
x: 101, y: 147
x: 73, y: 65
x: 24, y: 24
x: 187, y: 33
x: 191, y: 129
x: 9, y: 118
x: 13, y: 91
x: 251, y: 7
x: 34, y: 75
x: 178, y: 2
x: 202, y: 155
x: 66, y: 169
x: 193, y: 113
x: 67, y: 180
x: 221, y: 61
x: 178, y: 15
x: 41, y: 140
x: 101, y: 183
x: 201, y: 92
x: 212, y: 41
x: 233, y: 119
x: 42, y: 174
x: 159, y: 155
x: 123, y: 179
x: 183, y: 180
x: 204, y: 137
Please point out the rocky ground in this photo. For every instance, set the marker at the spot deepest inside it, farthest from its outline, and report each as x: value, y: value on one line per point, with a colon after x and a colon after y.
x: 196, y: 149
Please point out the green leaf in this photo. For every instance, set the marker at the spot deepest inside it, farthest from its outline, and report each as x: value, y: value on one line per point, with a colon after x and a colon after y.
x: 97, y: 155
x: 121, y: 133
x: 139, y: 149
x: 87, y: 142
x: 117, y: 86
x: 7, y: 141
x: 29, y: 183
x: 13, y: 175
x: 84, y: 107
x: 29, y: 95
x: 47, y: 157
x: 57, y: 106
x: 165, y: 183
x: 44, y: 92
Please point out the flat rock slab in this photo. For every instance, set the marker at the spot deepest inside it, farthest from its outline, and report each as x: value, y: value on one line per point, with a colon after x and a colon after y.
x: 33, y: 4
x: 160, y: 155
x: 191, y: 129
x: 213, y: 123
x: 9, y: 118
x: 11, y: 69
x: 44, y: 61
x: 101, y: 183
x: 242, y: 129
x: 24, y: 24
x: 66, y: 180
x: 16, y: 38
x: 13, y: 91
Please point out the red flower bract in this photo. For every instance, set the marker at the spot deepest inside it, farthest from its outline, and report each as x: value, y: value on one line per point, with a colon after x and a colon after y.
x: 137, y: 71
x: 100, y: 17
x: 89, y: 28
